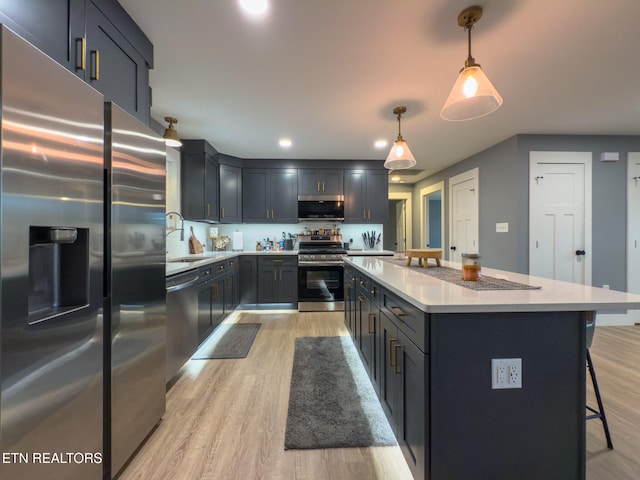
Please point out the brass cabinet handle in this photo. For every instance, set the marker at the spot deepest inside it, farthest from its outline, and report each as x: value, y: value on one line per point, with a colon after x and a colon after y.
x: 362, y: 299
x: 398, y: 311
x: 318, y: 186
x: 395, y: 353
x: 353, y: 279
x: 277, y: 260
x: 272, y: 216
x: 95, y: 75
x: 208, y: 209
x: 274, y: 276
x: 364, y: 214
x: 83, y: 53
x: 362, y: 282
x: 391, y: 342
x: 280, y: 275
x: 373, y: 292
x: 323, y: 186
x: 267, y: 214
x: 222, y: 212
x: 369, y: 215
x: 215, y: 290
x: 372, y: 330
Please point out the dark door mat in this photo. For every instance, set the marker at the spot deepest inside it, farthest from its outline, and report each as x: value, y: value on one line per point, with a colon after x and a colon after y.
x: 228, y: 341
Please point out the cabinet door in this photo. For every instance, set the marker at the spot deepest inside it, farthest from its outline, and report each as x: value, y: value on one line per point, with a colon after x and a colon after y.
x: 217, y: 300
x: 114, y: 66
x: 248, y: 273
x: 204, y: 310
x: 377, y: 196
x: 288, y: 284
x: 389, y: 380
x: 211, y: 211
x: 412, y: 403
x: 308, y: 182
x: 268, y: 284
x: 230, y: 194
x: 54, y: 26
x: 315, y: 181
x: 366, y: 318
x: 354, y: 187
x: 284, y: 195
x: 349, y: 296
x: 333, y: 182
x: 256, y: 207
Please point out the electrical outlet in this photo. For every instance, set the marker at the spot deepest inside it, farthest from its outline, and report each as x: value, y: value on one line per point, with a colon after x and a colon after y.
x: 502, y: 227
x: 506, y: 373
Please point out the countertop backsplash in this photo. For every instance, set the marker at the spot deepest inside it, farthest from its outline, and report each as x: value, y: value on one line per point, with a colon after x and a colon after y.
x: 253, y: 233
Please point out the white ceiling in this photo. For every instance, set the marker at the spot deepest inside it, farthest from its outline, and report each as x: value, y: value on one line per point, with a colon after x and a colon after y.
x: 328, y: 73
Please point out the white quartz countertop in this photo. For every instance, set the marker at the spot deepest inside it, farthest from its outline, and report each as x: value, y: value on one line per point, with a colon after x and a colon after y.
x: 175, y: 265
x: 369, y: 253
x: 436, y: 296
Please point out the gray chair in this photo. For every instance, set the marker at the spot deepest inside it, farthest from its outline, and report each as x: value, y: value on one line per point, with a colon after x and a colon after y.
x: 599, y: 412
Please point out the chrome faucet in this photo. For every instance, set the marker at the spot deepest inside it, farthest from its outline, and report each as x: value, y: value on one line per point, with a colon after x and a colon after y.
x: 181, y: 225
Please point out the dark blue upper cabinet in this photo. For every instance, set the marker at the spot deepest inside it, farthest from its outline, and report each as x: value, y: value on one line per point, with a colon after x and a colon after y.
x: 114, y: 66
x: 51, y: 25
x: 96, y: 40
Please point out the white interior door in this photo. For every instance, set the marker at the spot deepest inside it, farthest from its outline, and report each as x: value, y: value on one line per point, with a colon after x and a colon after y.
x: 633, y: 222
x: 463, y: 216
x: 560, y: 216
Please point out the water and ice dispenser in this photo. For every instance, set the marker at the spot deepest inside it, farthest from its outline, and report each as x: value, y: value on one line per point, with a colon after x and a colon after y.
x: 58, y: 271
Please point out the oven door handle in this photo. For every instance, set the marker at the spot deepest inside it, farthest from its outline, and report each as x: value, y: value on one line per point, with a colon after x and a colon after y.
x: 337, y: 263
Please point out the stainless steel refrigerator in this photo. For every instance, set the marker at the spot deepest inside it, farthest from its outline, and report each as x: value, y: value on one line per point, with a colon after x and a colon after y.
x: 82, y: 274
x: 52, y: 225
x: 135, y: 158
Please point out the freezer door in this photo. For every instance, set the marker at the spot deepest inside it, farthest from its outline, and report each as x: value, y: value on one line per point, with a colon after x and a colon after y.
x: 136, y: 166
x: 51, y: 210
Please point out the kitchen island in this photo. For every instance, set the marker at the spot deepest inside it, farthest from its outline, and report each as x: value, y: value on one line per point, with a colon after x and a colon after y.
x: 428, y: 346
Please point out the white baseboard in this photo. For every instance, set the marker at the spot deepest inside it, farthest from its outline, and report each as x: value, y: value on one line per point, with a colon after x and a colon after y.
x: 618, y: 319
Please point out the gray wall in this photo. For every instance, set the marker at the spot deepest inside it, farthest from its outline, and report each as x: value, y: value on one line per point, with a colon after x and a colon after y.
x: 504, y: 197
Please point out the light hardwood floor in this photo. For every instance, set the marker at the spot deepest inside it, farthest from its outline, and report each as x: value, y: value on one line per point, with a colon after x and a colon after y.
x: 226, y: 419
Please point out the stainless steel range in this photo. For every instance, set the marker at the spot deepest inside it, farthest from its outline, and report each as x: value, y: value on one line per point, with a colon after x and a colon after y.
x: 320, y: 273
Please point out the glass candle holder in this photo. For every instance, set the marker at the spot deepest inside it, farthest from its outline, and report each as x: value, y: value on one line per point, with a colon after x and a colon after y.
x: 471, y: 267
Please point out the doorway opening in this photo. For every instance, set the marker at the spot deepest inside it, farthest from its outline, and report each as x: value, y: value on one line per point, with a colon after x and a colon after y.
x: 398, y: 231
x: 432, y: 216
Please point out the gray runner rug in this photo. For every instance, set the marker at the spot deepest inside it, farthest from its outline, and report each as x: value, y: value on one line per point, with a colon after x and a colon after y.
x: 332, y: 402
x: 228, y: 341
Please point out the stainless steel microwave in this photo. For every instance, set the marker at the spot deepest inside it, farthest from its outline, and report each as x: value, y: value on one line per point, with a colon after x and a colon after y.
x: 321, y: 207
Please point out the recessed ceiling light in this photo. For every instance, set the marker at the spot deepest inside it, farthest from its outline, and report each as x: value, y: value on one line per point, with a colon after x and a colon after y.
x: 395, y: 179
x: 380, y: 143
x: 254, y: 7
x: 285, y: 143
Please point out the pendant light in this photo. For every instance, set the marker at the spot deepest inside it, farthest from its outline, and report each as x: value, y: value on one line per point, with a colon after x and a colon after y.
x: 170, y: 136
x: 400, y: 156
x: 473, y: 95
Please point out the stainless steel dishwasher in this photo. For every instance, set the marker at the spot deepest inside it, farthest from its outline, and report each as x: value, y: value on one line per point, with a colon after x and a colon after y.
x: 182, y: 320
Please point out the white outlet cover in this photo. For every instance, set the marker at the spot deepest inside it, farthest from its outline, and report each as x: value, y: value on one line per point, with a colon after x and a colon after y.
x: 502, y: 227
x: 506, y: 373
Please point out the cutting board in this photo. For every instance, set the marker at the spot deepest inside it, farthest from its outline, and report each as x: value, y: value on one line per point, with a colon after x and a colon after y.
x: 194, y: 244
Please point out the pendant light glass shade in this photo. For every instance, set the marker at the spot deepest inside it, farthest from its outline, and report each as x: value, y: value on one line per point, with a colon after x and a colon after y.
x: 170, y: 136
x: 400, y: 157
x: 472, y: 96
